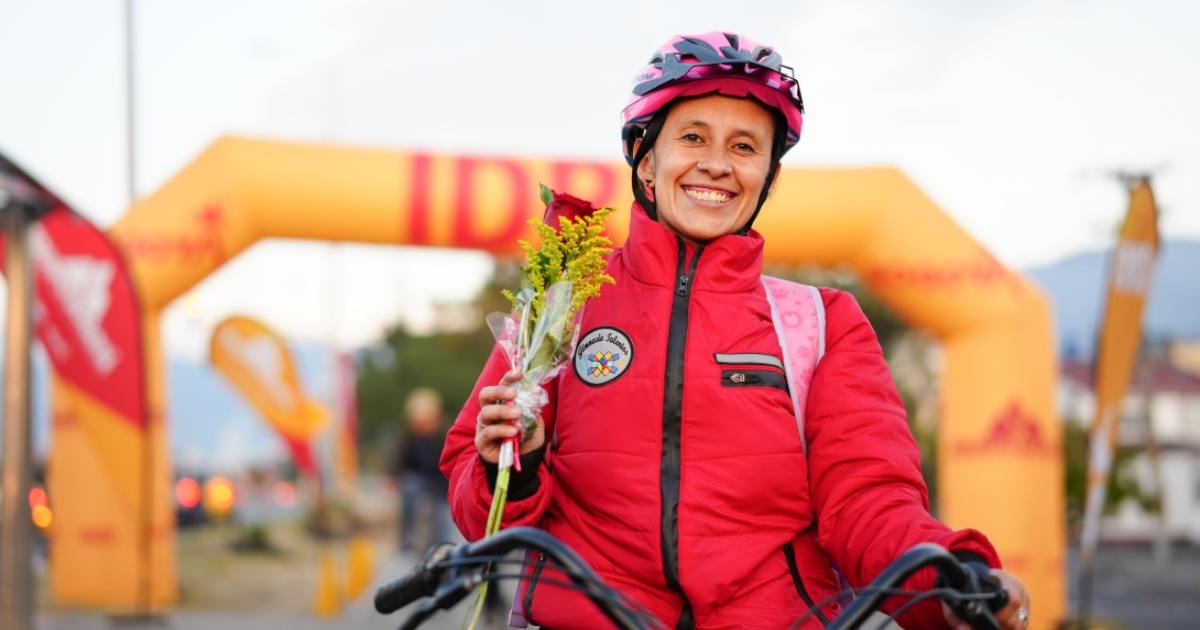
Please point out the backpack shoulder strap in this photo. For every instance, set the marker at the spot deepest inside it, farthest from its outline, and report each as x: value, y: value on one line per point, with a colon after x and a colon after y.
x: 798, y: 313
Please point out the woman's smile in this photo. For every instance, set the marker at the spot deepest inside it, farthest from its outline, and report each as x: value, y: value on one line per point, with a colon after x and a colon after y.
x: 708, y: 195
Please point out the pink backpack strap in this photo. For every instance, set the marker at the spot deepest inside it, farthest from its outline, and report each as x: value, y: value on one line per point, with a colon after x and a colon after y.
x: 798, y: 313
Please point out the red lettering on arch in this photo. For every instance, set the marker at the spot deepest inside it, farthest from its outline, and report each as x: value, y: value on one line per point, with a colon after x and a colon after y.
x: 418, y: 207
x: 605, y: 194
x: 514, y: 223
x: 99, y: 535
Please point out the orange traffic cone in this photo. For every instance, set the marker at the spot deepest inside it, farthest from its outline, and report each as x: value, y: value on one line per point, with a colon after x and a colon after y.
x: 359, y: 567
x: 328, y: 600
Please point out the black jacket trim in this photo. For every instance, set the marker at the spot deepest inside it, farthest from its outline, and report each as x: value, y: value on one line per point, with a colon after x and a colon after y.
x: 521, y: 485
x: 533, y: 580
x: 789, y: 553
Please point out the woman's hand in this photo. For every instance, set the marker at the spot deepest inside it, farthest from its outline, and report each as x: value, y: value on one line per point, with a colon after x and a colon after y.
x: 1014, y: 616
x: 495, y: 416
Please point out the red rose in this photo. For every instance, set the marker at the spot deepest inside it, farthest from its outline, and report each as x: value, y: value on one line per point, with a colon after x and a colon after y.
x: 564, y: 205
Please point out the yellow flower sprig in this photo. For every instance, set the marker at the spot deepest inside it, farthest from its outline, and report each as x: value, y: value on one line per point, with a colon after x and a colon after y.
x: 576, y: 253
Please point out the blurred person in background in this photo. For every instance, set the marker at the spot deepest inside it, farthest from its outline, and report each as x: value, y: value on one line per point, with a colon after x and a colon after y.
x: 713, y: 500
x: 412, y: 469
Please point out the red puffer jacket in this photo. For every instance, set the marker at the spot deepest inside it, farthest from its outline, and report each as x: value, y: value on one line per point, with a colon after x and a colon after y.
x: 687, y: 489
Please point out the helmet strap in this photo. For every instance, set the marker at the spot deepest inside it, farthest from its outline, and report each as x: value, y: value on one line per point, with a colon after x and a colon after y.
x: 649, y: 137
x: 778, y: 146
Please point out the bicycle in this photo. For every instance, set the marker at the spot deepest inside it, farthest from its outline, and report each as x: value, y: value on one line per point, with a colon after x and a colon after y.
x: 450, y: 573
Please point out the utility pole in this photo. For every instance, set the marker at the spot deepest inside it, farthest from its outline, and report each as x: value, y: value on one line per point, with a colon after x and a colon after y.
x: 18, y: 209
x: 1151, y: 354
x: 130, y: 102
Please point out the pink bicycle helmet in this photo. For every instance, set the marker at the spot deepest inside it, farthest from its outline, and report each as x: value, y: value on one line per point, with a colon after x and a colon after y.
x: 712, y: 63
x: 716, y: 62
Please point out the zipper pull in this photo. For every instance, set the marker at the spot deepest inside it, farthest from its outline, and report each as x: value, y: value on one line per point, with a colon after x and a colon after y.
x: 682, y: 289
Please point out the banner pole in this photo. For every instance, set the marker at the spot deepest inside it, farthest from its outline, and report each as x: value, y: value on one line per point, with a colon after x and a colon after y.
x: 16, y: 524
x: 1086, y: 581
x: 1130, y: 275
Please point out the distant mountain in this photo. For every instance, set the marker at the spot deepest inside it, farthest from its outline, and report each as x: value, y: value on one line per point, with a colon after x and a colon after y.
x: 214, y: 429
x: 1077, y: 285
x: 211, y: 428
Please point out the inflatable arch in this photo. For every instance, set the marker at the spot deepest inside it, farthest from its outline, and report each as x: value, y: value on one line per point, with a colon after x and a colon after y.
x: 999, y: 457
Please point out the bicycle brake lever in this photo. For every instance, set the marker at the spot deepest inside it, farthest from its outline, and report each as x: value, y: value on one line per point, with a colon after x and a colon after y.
x: 423, y: 612
x: 989, y: 583
x: 977, y: 612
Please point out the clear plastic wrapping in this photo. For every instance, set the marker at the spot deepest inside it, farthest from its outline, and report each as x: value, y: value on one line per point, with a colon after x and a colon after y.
x: 538, y: 341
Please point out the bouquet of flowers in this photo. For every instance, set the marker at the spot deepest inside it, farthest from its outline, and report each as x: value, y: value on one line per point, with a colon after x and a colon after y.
x: 539, y: 335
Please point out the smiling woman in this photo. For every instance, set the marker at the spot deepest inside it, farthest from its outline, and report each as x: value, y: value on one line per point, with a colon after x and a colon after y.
x: 709, y: 167
x: 742, y: 454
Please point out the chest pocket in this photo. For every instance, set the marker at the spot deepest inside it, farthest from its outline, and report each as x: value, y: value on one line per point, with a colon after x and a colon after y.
x: 753, y: 378
x: 752, y: 370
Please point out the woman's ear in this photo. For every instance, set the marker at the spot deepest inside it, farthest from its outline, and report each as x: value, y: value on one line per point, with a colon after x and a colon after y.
x: 645, y: 170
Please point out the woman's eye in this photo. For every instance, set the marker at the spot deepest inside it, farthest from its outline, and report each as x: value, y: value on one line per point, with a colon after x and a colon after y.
x: 747, y: 148
x: 691, y: 137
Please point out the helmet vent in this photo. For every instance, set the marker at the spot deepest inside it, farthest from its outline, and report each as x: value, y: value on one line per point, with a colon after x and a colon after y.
x: 696, y: 42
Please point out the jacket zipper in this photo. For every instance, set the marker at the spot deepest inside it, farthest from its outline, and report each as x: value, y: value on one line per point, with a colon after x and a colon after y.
x: 528, y: 604
x: 673, y: 420
x: 790, y: 554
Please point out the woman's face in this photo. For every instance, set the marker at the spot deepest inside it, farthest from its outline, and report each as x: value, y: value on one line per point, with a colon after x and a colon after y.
x: 709, y: 165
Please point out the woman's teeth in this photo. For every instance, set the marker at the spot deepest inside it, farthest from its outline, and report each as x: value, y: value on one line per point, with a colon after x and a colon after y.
x: 707, y: 195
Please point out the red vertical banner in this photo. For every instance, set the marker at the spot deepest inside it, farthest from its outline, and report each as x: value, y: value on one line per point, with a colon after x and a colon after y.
x: 87, y: 317
x: 347, y: 442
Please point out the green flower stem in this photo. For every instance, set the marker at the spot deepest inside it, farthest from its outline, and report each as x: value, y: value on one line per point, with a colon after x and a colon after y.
x: 499, y: 498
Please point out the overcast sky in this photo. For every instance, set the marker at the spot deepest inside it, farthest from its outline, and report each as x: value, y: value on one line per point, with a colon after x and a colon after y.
x: 1007, y: 113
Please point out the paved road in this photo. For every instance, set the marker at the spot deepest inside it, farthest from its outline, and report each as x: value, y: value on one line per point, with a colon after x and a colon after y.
x: 1130, y: 590
x: 359, y: 615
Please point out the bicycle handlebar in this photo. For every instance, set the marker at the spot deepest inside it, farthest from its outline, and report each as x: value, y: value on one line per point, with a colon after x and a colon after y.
x: 962, y: 577
x: 448, y: 581
x: 447, y: 576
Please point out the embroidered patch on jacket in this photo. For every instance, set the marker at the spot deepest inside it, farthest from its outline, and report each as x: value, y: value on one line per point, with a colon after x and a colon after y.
x: 602, y: 355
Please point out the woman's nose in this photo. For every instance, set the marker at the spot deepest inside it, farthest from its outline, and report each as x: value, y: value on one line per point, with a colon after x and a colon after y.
x: 714, y: 163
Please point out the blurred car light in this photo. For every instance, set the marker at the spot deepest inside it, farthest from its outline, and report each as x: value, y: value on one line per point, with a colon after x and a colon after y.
x: 187, y: 492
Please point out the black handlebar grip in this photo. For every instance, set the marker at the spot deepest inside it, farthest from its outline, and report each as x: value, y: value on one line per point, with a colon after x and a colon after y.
x: 422, y: 581
x: 989, y: 583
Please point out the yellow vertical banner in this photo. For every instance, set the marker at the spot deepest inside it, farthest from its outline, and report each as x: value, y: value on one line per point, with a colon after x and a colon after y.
x: 1130, y: 272
x: 258, y: 364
